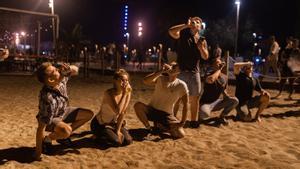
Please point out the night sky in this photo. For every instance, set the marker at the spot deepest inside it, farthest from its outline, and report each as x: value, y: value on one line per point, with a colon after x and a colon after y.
x: 102, y: 20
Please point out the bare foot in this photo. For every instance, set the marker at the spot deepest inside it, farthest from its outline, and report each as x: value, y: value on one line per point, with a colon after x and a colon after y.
x: 258, y: 119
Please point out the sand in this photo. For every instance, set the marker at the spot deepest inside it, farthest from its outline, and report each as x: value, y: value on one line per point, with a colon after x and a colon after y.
x: 273, y: 143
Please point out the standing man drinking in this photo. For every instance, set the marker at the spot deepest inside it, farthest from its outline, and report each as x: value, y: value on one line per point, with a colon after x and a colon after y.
x: 191, y: 47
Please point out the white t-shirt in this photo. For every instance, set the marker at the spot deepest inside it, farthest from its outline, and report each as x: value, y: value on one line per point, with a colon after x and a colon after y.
x: 167, y: 93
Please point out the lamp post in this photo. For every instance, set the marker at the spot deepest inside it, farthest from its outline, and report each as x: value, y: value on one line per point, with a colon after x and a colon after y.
x: 237, y: 3
x: 51, y: 5
x: 24, y: 34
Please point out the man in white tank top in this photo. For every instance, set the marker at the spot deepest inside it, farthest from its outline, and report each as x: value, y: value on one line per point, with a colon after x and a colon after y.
x: 168, y: 90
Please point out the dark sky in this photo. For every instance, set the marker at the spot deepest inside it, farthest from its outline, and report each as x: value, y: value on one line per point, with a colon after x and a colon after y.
x: 102, y: 20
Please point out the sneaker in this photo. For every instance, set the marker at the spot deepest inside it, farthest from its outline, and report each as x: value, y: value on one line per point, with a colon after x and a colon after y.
x: 65, y: 142
x: 194, y: 124
x: 47, y: 147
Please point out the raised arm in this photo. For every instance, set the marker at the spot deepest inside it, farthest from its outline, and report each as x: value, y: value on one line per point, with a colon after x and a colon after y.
x: 174, y: 31
x: 238, y: 66
x: 152, y: 78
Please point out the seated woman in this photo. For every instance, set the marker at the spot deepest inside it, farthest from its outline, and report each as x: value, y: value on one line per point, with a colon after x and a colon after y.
x: 109, y: 125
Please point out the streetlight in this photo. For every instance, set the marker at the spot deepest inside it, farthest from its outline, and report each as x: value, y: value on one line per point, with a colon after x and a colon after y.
x: 140, y: 29
x: 23, y: 34
x: 51, y: 5
x: 237, y: 3
x: 127, y: 36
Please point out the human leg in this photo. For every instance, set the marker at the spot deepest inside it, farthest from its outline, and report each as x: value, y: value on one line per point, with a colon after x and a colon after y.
x: 141, y: 111
x: 81, y: 117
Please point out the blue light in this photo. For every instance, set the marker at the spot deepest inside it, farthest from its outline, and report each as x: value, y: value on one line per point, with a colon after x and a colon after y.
x: 125, y: 17
x: 126, y: 6
x: 126, y: 10
x: 125, y: 24
x: 257, y: 60
x: 126, y: 13
x: 125, y: 21
x: 125, y: 28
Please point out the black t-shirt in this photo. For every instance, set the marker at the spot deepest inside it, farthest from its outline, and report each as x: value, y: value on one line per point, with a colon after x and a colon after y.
x: 245, y: 86
x: 187, y: 51
x: 213, y: 91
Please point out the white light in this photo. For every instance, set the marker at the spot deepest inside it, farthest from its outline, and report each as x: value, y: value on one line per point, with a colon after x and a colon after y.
x: 254, y: 35
x: 125, y: 17
x: 140, y: 24
x: 126, y: 14
x: 127, y: 34
x: 140, y: 34
x: 203, y: 25
x: 126, y: 6
x: 255, y: 44
x: 237, y: 2
x: 125, y: 28
x: 23, y: 33
x: 140, y: 28
x: 51, y: 2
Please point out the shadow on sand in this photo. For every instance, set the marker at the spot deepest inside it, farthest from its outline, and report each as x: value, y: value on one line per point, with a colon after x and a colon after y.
x: 25, y: 154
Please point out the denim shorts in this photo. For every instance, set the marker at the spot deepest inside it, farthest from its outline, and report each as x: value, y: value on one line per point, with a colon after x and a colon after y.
x: 193, y: 82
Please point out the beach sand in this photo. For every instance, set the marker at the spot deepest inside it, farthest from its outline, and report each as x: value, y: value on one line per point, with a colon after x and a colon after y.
x: 273, y: 143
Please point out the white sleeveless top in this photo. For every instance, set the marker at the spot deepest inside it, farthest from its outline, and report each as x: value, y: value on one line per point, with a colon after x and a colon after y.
x: 106, y: 115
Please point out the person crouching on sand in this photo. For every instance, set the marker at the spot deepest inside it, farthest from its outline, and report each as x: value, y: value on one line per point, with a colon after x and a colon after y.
x: 245, y: 85
x: 109, y: 124
x: 55, y: 115
x: 168, y: 90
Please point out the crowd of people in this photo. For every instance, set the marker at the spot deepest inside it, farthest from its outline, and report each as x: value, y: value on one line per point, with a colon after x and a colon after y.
x: 176, y: 84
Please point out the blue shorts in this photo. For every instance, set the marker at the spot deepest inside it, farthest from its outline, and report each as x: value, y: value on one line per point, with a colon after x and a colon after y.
x: 192, y: 81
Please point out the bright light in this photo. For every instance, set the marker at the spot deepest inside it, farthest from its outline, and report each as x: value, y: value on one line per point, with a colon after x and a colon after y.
x: 257, y: 60
x: 126, y: 6
x: 203, y: 25
x: 127, y: 34
x: 140, y: 34
x: 17, y: 39
x: 125, y: 28
x: 254, y: 35
x: 140, y: 24
x: 237, y: 2
x: 23, y: 33
x: 51, y: 3
x: 140, y: 28
x: 255, y: 44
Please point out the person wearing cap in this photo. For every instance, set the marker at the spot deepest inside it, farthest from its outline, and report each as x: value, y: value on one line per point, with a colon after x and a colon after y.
x: 191, y: 47
x: 213, y: 88
x: 245, y: 85
x: 168, y: 90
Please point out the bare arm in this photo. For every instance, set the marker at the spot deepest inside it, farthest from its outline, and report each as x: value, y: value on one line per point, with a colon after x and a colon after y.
x: 238, y: 66
x: 202, y: 46
x: 123, y: 112
x: 174, y: 31
x: 39, y: 139
x: 74, y: 70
